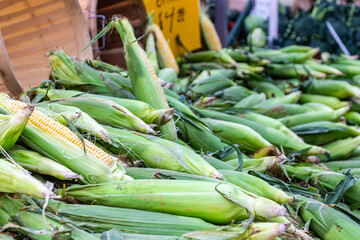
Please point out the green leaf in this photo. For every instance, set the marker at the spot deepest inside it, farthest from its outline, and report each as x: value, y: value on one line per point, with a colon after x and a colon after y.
x: 100, y: 34
x: 113, y: 234
x: 336, y: 195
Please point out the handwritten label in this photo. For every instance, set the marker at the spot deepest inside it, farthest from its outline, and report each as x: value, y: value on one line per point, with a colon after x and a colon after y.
x: 177, y: 18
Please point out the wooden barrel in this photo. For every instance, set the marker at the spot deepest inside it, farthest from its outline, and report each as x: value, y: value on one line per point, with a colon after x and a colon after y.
x: 30, y: 28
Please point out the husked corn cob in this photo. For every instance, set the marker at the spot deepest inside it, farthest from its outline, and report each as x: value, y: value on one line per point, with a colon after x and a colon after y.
x: 209, y: 32
x: 52, y: 127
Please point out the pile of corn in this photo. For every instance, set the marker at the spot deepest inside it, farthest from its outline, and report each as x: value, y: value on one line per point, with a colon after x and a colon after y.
x: 221, y: 144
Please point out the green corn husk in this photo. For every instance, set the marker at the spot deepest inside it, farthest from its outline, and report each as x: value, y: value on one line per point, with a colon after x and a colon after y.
x: 92, y: 169
x: 213, y: 102
x: 334, y: 88
x: 160, y: 153
x: 291, y: 98
x: 315, y: 106
x: 32, y: 223
x: 292, y: 57
x: 269, y: 88
x: 270, y: 122
x: 251, y: 101
x: 181, y: 197
x: 348, y: 70
x: 239, y: 134
x: 352, y: 118
x: 138, y: 108
x: 11, y: 127
x: 211, y: 56
x: 168, y: 75
x: 107, y: 112
x: 295, y: 48
x: 4, y: 236
x: 342, y: 148
x: 329, y: 179
x: 235, y: 93
x: 211, y: 85
x: 188, y: 67
x: 303, y: 118
x: 35, y: 162
x: 101, y: 218
x: 246, y: 68
x: 332, y: 102
x: 272, y: 135
x: 292, y: 71
x: 288, y: 85
x: 80, y: 119
x: 256, y: 231
x: 291, y: 232
x: 283, y: 110
x: 323, y: 68
x: 256, y: 185
x: 14, y: 179
x: 106, y: 67
x: 328, y: 223
x: 218, y: 164
x: 342, y: 165
x: 151, y: 52
x: 228, y: 73
x: 323, y: 132
x: 259, y: 165
x: 145, y: 83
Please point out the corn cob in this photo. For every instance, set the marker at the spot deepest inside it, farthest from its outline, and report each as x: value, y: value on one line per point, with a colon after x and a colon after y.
x: 80, y: 119
x: 292, y: 71
x: 348, y: 70
x: 235, y: 93
x: 328, y: 179
x: 168, y: 75
x: 68, y: 154
x: 295, y: 48
x: 160, y: 153
x: 283, y: 110
x: 326, y: 222
x: 145, y: 83
x: 303, y: 118
x: 323, y: 68
x: 219, y: 56
x: 342, y: 148
x: 315, y: 106
x: 334, y: 88
x: 256, y: 185
x: 101, y: 218
x: 352, y: 118
x: 187, y: 198
x: 211, y: 85
x: 272, y: 135
x: 35, y: 162
x: 342, y: 165
x: 251, y: 100
x: 165, y: 54
x: 151, y: 52
x: 140, y: 109
x: 287, y: 99
x: 107, y: 112
x: 56, y: 129
x: 209, y: 33
x: 245, y: 137
x: 14, y: 179
x: 270, y: 89
x: 323, y: 132
x: 256, y: 231
x: 332, y: 102
x: 11, y: 127
x: 259, y: 165
x: 293, y: 57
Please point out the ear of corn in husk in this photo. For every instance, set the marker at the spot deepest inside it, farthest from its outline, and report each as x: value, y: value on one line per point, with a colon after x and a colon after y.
x: 168, y: 75
x: 235, y: 93
x: 188, y: 198
x: 245, y: 137
x: 323, y: 68
x: 259, y: 165
x: 251, y: 100
x: 330, y: 101
x: 14, y: 179
x: 352, y: 118
x: 315, y: 106
x: 35, y: 162
x: 303, y: 118
x: 209, y: 33
x: 145, y: 84
x: 287, y: 99
x: 151, y: 52
x: 107, y: 112
x: 270, y: 89
x: 322, y: 132
x: 102, y: 218
x: 283, y: 110
x: 160, y: 153
x: 218, y: 164
x: 255, y: 231
x: 211, y: 85
x: 334, y: 88
x: 11, y: 127
x: 342, y: 165
x: 342, y: 148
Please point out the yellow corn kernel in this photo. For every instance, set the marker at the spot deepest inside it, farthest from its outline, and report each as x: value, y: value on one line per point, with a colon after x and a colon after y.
x: 209, y: 32
x: 164, y: 49
x: 49, y: 125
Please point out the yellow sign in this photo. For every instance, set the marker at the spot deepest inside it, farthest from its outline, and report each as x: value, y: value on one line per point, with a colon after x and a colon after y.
x: 177, y: 18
